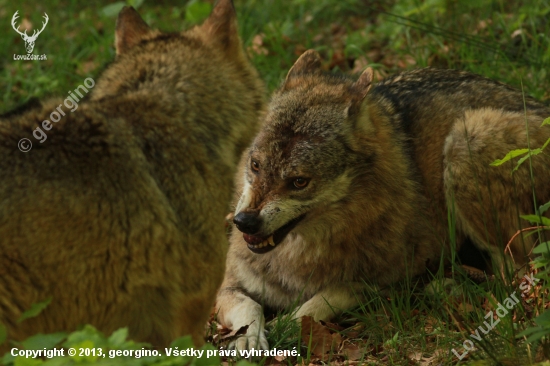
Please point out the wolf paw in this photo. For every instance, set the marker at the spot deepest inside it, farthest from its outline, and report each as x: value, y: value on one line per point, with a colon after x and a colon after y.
x: 246, y: 342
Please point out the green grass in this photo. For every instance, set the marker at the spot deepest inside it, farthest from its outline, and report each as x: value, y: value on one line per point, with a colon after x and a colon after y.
x: 505, y: 40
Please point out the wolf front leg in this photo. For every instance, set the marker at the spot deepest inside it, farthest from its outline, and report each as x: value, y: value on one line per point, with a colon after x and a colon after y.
x: 236, y: 310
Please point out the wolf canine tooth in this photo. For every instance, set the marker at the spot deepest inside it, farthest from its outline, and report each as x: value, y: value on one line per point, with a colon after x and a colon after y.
x: 271, y: 241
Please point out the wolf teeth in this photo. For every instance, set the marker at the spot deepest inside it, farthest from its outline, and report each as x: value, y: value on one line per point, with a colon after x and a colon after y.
x: 265, y: 243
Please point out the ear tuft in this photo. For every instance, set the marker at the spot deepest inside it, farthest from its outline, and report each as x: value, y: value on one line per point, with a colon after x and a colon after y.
x: 308, y: 63
x: 221, y: 26
x: 130, y: 30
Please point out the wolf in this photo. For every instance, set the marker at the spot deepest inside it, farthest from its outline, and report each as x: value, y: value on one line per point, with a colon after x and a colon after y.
x: 350, y: 183
x: 118, y: 217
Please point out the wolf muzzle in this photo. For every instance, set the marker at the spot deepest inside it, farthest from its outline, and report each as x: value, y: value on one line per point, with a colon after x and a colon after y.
x: 250, y: 224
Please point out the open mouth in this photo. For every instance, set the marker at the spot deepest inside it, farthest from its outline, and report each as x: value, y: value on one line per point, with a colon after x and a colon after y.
x: 260, y: 245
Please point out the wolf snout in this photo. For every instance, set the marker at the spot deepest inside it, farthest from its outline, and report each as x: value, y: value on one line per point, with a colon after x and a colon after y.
x: 248, y: 222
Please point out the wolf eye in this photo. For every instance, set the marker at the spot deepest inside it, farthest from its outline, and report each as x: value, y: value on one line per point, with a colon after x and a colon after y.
x: 255, y: 166
x: 300, y: 183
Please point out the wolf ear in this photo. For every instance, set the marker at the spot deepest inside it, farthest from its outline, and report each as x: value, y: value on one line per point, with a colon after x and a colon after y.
x: 308, y: 63
x: 130, y: 29
x: 360, y: 88
x: 364, y: 83
x: 221, y: 27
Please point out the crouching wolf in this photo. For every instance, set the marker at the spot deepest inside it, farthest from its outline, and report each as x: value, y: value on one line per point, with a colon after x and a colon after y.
x: 118, y: 216
x: 349, y: 182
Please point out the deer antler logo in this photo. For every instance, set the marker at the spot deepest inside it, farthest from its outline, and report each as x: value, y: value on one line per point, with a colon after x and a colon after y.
x: 29, y: 40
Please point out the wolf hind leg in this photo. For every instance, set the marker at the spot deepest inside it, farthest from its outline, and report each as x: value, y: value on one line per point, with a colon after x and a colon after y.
x: 330, y: 302
x: 488, y: 200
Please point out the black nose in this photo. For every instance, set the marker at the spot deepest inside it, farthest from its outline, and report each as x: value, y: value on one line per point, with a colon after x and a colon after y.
x: 247, y: 222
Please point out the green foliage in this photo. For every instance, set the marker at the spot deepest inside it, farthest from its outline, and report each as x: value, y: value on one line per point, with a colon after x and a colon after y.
x: 400, y: 16
x: 541, y: 330
x: 196, y: 11
x: 536, y: 219
x: 527, y: 153
x: 244, y: 363
x: 41, y: 341
x: 35, y: 310
x: 91, y: 347
x: 113, y: 9
x: 512, y: 154
x: 135, y: 3
x: 88, y: 346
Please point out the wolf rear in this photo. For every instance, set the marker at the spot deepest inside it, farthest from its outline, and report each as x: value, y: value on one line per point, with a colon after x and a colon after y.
x: 118, y: 216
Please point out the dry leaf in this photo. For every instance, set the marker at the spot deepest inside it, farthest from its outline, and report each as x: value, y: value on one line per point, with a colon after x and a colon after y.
x: 258, y: 47
x: 353, y: 352
x: 318, y: 337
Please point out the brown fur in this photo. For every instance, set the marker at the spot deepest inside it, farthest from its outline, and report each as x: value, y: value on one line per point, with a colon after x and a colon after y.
x: 119, y: 214
x: 384, y: 165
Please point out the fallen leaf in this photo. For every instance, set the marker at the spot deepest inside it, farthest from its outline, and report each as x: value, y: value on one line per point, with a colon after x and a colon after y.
x: 318, y: 337
x: 257, y: 46
x: 353, y: 352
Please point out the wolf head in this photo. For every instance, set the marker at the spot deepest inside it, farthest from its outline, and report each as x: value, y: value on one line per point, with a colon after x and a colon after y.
x: 171, y: 56
x: 198, y: 77
x: 304, y: 160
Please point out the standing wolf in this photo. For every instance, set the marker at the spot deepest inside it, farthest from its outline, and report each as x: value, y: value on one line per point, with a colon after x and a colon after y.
x: 119, y: 215
x: 349, y: 182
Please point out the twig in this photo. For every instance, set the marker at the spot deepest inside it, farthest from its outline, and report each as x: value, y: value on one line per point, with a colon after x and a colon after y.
x: 519, y: 232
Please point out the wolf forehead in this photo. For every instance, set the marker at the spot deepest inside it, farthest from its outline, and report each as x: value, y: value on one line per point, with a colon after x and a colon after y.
x: 314, y: 105
x: 304, y: 129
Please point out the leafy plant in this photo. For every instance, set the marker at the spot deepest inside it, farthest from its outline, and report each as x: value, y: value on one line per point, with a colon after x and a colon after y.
x: 113, y: 9
x: 525, y: 152
x: 196, y: 11
x: 88, y: 346
x: 541, y: 330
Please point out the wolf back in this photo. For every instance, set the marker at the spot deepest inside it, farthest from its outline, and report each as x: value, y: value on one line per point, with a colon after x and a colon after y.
x: 118, y: 217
